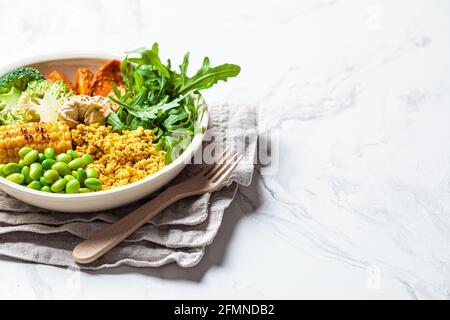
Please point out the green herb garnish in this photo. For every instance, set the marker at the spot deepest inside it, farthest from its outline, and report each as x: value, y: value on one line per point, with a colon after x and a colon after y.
x: 159, y: 98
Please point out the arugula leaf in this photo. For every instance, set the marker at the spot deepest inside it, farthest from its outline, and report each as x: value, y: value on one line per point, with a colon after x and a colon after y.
x: 159, y: 98
x: 114, y: 121
x: 206, y: 77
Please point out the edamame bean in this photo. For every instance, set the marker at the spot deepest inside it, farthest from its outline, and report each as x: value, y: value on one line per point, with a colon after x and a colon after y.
x: 24, y: 151
x: 51, y: 176
x: 59, y: 185
x: 73, y: 186
x: 34, y: 185
x: 69, y: 177
x: 36, y: 171
x: 73, y: 154
x: 50, y: 153
x: 77, y: 163
x: 41, y: 157
x: 43, y: 182
x: 62, y: 168
x: 87, y: 159
x: 26, y: 173
x: 93, y: 184
x: 63, y: 157
x: 31, y: 157
x: 47, y: 163
x: 85, y: 190
x: 46, y: 189
x: 16, y: 178
x: 91, y: 173
x: 81, y: 175
x: 2, y: 174
x: 21, y: 164
x: 11, y: 168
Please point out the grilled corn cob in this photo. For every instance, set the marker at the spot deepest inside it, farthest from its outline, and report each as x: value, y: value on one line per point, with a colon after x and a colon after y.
x: 36, y: 135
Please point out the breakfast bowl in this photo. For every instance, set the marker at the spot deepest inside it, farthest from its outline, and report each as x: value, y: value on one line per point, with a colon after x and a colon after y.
x: 103, y: 199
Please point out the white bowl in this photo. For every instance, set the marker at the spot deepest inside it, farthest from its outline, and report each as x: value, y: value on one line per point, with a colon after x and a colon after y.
x: 100, y: 200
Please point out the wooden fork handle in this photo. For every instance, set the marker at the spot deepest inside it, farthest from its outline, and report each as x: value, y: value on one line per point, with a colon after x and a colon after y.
x: 107, y: 238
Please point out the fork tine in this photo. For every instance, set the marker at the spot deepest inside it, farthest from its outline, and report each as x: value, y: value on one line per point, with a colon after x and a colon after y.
x: 226, y: 168
x: 223, y: 161
x: 217, y: 162
x: 219, y: 179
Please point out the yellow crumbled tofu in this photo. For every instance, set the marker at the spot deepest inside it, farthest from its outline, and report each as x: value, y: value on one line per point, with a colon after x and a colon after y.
x: 120, y: 158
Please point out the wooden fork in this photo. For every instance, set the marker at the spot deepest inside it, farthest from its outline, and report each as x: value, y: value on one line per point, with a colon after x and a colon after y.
x: 206, y: 181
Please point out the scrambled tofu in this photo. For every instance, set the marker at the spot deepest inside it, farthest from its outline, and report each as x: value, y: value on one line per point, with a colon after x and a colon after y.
x: 120, y: 158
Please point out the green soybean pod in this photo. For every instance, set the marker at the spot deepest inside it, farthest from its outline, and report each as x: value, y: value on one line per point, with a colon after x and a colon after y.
x: 41, y: 157
x: 77, y: 163
x: 93, y: 184
x: 46, y: 189
x: 51, y: 176
x: 87, y: 159
x: 63, y: 157
x: 69, y: 177
x: 50, y: 153
x: 62, y: 168
x: 85, y: 190
x: 81, y: 175
x: 36, y: 171
x: 43, y: 182
x: 73, y: 186
x: 34, y: 185
x: 26, y: 173
x: 59, y: 185
x: 2, y: 174
x: 31, y: 157
x: 47, y: 163
x: 24, y: 151
x: 73, y: 154
x: 91, y: 173
x: 11, y: 168
x: 16, y: 178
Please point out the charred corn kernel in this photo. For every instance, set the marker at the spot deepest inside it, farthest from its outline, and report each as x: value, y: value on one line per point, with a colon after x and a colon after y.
x: 34, y: 135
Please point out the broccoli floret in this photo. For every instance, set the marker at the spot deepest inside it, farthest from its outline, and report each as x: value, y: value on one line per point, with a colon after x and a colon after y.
x: 45, y: 98
x: 60, y: 89
x: 19, y: 78
x: 36, y: 89
x: 10, y: 98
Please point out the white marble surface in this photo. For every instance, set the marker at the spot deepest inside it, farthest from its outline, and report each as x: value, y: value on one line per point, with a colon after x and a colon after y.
x: 358, y: 92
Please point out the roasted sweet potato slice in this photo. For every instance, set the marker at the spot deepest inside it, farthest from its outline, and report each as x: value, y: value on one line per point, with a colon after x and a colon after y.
x: 56, y: 75
x: 108, y: 73
x: 84, y: 79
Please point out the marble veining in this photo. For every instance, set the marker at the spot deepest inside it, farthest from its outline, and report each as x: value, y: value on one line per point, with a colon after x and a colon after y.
x: 356, y: 96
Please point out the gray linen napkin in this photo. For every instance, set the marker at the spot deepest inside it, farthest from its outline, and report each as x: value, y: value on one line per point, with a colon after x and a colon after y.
x: 178, y: 234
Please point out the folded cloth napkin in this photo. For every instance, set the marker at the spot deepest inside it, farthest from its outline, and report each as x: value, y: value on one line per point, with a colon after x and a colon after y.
x: 178, y: 234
